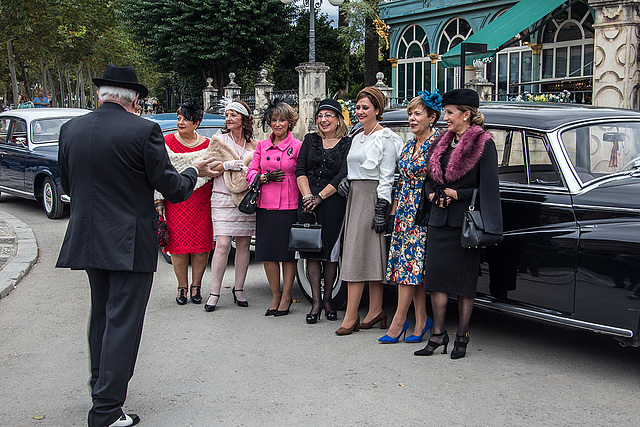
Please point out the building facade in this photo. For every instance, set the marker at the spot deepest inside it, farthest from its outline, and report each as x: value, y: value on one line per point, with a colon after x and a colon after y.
x: 534, y: 47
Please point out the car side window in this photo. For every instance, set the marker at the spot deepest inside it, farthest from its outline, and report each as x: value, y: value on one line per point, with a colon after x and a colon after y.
x: 510, y: 155
x: 19, y: 131
x: 542, y: 168
x: 4, y: 129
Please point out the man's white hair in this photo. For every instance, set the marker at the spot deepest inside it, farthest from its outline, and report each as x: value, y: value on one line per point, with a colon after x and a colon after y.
x: 117, y: 94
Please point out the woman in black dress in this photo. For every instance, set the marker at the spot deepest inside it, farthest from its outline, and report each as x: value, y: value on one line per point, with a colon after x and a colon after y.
x: 321, y: 167
x: 459, y: 160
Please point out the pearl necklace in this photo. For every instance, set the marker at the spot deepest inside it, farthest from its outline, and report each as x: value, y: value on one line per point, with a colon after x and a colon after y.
x: 188, y: 144
x: 370, y: 133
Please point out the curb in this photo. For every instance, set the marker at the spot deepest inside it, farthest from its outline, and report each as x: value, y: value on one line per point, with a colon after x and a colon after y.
x: 26, y: 255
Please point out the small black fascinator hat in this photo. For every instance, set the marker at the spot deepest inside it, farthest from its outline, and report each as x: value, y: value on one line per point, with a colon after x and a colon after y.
x: 191, y: 110
x: 279, y: 107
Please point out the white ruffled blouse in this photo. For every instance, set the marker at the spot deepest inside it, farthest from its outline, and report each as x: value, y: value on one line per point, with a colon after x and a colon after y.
x: 374, y: 157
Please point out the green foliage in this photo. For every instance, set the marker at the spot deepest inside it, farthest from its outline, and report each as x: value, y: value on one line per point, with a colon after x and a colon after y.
x: 330, y: 49
x: 211, y: 38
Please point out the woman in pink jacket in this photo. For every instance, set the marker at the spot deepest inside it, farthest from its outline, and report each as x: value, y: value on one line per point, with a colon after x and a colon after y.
x: 275, y: 161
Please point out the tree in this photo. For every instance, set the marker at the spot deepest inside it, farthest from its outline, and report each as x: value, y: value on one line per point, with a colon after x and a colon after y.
x: 330, y: 49
x: 360, y: 15
x: 200, y: 39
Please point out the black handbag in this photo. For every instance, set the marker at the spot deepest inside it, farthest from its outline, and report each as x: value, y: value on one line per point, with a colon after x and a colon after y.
x: 249, y: 202
x: 473, y: 234
x: 306, y: 237
x: 424, y: 209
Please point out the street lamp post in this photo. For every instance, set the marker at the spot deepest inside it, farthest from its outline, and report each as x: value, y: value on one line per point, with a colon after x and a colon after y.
x: 313, y: 5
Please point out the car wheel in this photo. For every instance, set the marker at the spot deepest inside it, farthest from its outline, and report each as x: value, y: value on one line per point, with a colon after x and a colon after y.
x: 338, y: 289
x: 51, y: 202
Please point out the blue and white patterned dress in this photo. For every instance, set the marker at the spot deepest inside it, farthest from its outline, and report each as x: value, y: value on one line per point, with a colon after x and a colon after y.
x: 408, y: 241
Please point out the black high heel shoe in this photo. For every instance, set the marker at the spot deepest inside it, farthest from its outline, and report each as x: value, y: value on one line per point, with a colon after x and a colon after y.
x: 459, y: 346
x: 279, y: 313
x: 312, y: 318
x: 208, y: 307
x: 432, y: 345
x: 197, y: 298
x: 271, y: 312
x: 182, y: 298
x: 331, y: 314
x: 244, y: 303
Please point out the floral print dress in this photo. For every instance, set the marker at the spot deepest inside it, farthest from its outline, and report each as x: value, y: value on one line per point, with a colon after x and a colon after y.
x: 408, y: 241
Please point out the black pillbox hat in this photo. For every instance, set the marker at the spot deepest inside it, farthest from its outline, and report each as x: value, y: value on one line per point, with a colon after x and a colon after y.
x: 467, y: 97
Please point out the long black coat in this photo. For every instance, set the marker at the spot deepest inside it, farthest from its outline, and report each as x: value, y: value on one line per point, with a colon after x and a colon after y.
x: 473, y: 164
x: 110, y: 163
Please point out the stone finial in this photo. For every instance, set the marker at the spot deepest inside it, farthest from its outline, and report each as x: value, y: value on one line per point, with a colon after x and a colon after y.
x: 264, y: 73
x: 380, y: 77
x: 209, y: 81
x: 232, y: 76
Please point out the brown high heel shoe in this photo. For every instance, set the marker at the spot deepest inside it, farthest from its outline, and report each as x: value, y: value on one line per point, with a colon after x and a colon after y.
x: 347, y: 331
x: 382, y: 318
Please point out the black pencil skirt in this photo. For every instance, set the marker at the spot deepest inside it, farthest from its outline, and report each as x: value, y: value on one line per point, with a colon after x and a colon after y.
x: 450, y: 268
x: 272, y: 234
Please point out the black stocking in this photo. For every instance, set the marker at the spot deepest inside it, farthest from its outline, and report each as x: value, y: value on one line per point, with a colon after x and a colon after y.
x: 313, y: 269
x: 330, y: 269
x: 465, y: 307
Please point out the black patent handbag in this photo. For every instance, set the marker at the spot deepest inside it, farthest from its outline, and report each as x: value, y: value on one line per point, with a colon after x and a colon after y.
x: 473, y: 234
x: 306, y: 236
x: 249, y: 202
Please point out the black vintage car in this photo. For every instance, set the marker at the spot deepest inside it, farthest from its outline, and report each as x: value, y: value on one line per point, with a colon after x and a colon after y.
x: 29, y: 155
x: 570, y: 189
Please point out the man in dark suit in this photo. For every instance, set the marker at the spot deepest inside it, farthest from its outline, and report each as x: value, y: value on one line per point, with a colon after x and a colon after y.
x: 110, y: 163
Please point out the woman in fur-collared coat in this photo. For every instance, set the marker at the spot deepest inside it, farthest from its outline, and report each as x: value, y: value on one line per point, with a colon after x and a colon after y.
x: 459, y: 160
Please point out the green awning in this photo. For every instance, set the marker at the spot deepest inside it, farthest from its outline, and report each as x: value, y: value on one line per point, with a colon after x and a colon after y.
x: 504, y: 28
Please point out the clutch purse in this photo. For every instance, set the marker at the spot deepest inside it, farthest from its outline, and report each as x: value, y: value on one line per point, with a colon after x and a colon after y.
x: 163, y: 232
x: 306, y: 237
x: 473, y: 234
x: 249, y: 201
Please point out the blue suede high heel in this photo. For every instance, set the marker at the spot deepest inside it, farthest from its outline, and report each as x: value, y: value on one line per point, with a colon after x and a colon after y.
x: 386, y: 339
x: 418, y: 338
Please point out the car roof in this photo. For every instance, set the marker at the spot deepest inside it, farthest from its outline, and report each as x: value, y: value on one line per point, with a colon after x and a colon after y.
x: 44, y: 113
x: 542, y: 116
x: 168, y: 120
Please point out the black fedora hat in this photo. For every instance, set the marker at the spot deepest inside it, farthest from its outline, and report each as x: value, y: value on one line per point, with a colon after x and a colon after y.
x: 121, y: 77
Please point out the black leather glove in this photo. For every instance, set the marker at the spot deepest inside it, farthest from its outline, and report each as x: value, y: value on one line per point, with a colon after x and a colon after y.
x: 379, y: 223
x: 343, y: 187
x: 309, y: 204
x: 274, y: 176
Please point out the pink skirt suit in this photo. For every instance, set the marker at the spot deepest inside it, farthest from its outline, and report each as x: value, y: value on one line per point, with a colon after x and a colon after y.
x: 278, y: 201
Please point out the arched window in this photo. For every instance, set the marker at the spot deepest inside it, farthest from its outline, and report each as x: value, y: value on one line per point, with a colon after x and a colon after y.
x: 414, y: 67
x: 568, y: 44
x: 455, y: 32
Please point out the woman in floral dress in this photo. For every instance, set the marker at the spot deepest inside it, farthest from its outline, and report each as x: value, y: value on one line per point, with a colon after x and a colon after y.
x: 407, y: 250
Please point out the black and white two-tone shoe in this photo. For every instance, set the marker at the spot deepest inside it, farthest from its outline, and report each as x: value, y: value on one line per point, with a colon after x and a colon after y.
x: 126, y: 420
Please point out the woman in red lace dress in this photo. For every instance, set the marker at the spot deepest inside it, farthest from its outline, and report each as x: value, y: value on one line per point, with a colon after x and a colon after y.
x: 189, y: 222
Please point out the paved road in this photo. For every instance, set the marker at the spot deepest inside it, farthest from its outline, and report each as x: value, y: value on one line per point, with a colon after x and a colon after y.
x: 237, y: 367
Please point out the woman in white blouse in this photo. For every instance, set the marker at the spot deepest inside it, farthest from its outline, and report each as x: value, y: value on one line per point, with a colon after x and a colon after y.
x: 371, y: 165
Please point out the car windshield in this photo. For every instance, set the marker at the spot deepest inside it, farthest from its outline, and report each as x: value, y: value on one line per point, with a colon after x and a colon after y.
x: 46, y: 130
x: 603, y: 149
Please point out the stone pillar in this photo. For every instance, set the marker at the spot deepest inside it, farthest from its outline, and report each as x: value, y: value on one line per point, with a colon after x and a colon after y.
x: 394, y: 76
x: 386, y: 90
x: 312, y: 88
x: 480, y: 84
x: 617, y: 35
x: 232, y: 90
x: 209, y: 97
x: 262, y: 91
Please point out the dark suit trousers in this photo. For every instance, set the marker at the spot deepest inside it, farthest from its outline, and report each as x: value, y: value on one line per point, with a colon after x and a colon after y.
x: 118, y: 303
